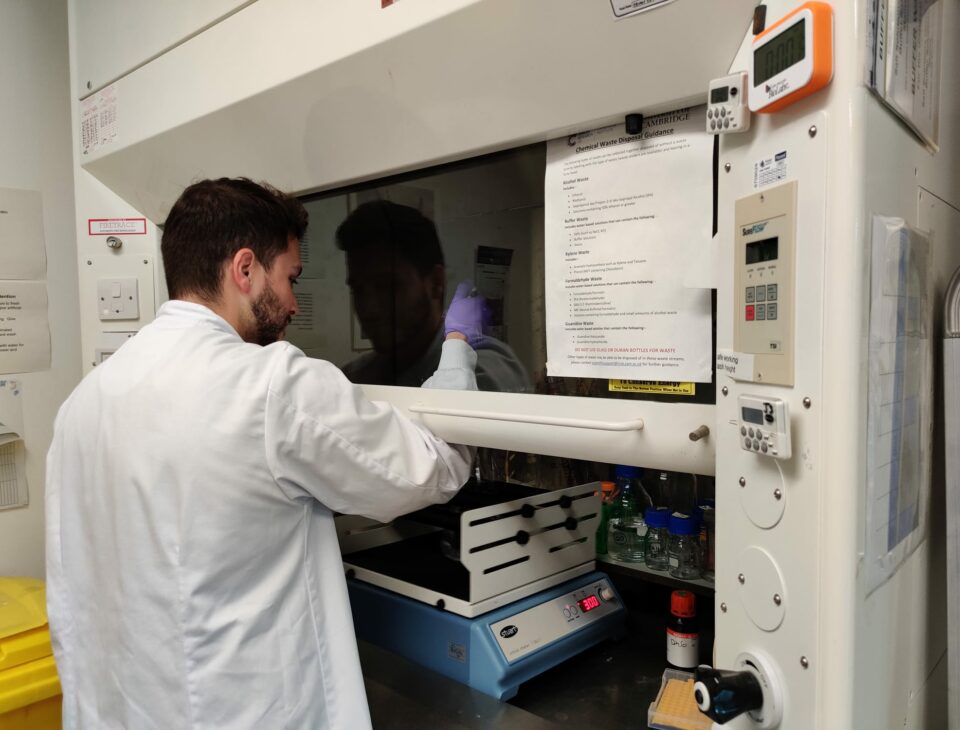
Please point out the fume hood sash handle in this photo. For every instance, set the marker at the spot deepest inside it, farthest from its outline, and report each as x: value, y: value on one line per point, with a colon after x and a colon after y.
x: 635, y: 424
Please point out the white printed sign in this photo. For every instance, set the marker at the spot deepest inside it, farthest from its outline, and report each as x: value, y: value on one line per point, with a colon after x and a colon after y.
x: 623, y: 8
x: 98, y: 120
x: 899, y: 398
x: 770, y: 170
x: 903, y: 68
x: 24, y: 330
x: 115, y: 226
x: 22, y: 253
x: 13, y: 477
x: 735, y: 365
x: 624, y: 214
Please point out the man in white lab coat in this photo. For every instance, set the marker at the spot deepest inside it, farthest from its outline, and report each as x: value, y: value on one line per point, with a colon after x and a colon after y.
x: 397, y: 279
x: 194, y: 575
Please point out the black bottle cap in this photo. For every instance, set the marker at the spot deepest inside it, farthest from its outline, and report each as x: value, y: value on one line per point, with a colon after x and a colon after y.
x: 633, y: 123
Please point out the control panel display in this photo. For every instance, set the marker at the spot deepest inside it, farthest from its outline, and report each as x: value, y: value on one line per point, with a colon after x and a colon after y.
x: 555, y: 618
x: 780, y: 53
x: 589, y: 603
x: 719, y: 94
x: 752, y: 415
x: 760, y: 251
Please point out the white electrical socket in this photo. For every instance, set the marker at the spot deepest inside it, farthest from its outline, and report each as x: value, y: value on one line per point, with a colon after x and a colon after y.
x: 118, y: 299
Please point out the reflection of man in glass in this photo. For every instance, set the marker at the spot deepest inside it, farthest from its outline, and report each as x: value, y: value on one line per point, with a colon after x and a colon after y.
x: 396, y: 274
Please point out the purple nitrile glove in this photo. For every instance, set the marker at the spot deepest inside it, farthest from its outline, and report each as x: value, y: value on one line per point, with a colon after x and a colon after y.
x: 467, y: 314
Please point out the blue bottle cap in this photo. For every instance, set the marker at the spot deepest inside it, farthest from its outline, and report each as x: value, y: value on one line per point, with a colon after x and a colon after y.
x: 656, y: 517
x: 684, y: 525
x: 697, y: 515
x: 627, y: 472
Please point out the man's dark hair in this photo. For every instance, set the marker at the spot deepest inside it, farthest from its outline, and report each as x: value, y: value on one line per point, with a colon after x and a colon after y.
x: 404, y: 230
x: 213, y: 219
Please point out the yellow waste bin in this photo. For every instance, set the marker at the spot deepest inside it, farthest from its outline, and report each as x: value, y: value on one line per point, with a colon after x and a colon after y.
x: 29, y: 687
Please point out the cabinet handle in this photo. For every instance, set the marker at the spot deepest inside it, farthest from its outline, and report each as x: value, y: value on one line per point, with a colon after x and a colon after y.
x: 635, y: 424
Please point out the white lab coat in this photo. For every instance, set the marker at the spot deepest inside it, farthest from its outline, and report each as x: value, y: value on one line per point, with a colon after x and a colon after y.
x: 193, y: 573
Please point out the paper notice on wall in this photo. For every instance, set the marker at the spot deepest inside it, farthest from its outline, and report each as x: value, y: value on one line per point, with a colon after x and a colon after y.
x: 899, y: 398
x: 99, y: 120
x: 22, y: 251
x: 24, y: 328
x: 904, y: 67
x: 492, y: 275
x: 307, y: 330
x: 319, y: 254
x: 623, y: 216
x: 13, y: 479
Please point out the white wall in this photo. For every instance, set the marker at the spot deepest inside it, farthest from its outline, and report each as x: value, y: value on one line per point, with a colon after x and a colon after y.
x: 35, y: 147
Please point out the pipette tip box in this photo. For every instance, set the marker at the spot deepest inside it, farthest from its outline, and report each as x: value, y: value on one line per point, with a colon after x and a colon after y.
x: 675, y: 708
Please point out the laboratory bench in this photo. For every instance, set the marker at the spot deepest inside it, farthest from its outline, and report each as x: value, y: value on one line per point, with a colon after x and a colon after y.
x: 608, y: 686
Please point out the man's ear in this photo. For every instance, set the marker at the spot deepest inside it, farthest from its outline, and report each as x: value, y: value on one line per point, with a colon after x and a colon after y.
x: 239, y: 269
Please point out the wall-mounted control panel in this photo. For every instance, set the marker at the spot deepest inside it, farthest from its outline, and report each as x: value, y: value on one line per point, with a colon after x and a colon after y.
x: 764, y: 257
x: 764, y: 426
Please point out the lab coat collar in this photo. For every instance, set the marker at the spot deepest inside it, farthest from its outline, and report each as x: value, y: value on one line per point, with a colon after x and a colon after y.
x: 178, y: 313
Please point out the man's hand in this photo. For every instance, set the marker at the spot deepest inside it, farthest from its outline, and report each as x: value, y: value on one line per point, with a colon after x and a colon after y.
x: 467, y: 315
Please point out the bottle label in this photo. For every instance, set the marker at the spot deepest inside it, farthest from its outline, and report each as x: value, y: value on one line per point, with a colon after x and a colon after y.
x: 682, y: 649
x: 674, y: 561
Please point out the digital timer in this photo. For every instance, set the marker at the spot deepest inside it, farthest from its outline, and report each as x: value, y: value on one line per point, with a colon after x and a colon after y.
x: 589, y: 603
x: 792, y: 58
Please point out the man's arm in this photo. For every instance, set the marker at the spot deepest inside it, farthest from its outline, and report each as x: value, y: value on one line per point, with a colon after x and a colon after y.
x: 457, y: 367
x: 463, y: 325
x: 325, y: 439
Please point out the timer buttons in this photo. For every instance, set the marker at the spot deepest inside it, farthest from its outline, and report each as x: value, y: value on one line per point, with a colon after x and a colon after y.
x: 727, y: 104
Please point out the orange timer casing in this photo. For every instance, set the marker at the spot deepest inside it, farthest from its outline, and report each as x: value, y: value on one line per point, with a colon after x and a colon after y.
x: 792, y: 58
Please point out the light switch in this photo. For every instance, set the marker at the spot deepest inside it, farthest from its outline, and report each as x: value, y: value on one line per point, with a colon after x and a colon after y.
x: 118, y: 299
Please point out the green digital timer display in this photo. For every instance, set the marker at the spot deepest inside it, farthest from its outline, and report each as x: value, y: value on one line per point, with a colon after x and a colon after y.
x: 780, y: 53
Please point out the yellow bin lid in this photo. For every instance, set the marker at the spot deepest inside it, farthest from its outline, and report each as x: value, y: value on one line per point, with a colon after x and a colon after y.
x: 27, y: 670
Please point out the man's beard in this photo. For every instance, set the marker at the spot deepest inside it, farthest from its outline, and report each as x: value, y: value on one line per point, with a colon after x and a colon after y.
x: 270, y: 317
